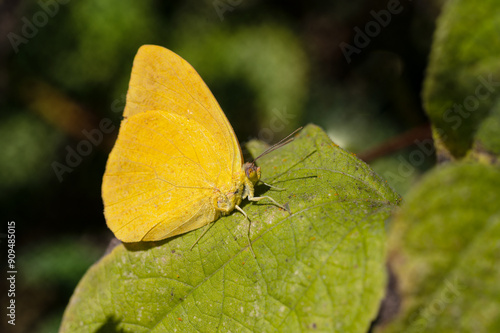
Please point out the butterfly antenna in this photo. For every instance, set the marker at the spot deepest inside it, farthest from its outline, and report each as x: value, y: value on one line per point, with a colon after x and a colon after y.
x: 286, y: 140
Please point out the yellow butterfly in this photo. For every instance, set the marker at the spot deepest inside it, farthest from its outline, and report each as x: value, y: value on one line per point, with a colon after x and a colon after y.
x: 176, y: 165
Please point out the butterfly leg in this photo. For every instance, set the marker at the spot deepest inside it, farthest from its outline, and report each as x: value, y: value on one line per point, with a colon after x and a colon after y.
x: 275, y: 187
x: 285, y: 206
x: 202, y: 234
x: 249, y: 223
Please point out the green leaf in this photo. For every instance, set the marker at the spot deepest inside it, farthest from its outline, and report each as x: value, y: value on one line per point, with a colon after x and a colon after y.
x: 322, y: 268
x: 462, y: 82
x: 444, y: 248
x: 487, y: 141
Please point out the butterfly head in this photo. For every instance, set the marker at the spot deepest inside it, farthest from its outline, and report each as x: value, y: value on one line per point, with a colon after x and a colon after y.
x: 252, y: 172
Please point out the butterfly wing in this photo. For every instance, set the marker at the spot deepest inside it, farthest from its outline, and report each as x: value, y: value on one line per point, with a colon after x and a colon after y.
x: 175, y: 147
x: 162, y: 80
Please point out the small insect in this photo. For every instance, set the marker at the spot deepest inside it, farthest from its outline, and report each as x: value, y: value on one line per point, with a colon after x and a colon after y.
x: 176, y: 165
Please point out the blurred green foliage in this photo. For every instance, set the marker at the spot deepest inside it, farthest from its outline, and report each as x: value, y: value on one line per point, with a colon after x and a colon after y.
x: 26, y: 142
x: 58, y: 262
x: 273, y: 69
x: 462, y: 85
x: 444, y: 246
x: 487, y: 140
x: 444, y: 243
x: 87, y: 45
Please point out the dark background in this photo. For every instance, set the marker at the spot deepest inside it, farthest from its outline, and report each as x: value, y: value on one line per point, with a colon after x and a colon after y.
x: 272, y: 65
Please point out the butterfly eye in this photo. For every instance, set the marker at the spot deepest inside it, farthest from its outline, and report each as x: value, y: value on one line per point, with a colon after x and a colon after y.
x: 252, y: 172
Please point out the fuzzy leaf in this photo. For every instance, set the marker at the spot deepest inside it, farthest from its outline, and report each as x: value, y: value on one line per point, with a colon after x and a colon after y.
x: 463, y: 80
x: 487, y: 141
x: 444, y: 248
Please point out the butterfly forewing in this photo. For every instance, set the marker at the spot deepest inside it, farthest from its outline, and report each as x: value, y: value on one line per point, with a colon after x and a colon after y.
x: 174, y: 149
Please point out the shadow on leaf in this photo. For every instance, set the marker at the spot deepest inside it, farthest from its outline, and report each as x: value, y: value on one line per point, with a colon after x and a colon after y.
x: 110, y: 326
